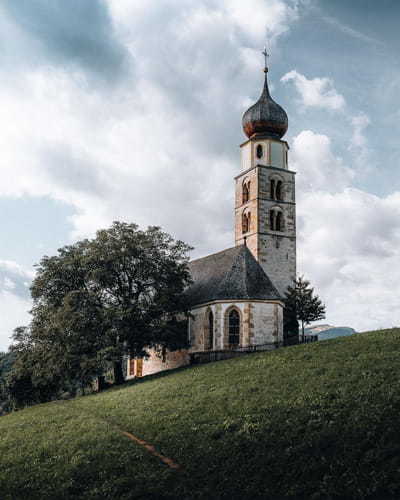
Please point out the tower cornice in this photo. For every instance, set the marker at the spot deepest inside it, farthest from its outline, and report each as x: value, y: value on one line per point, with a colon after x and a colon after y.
x: 258, y: 137
x: 267, y: 167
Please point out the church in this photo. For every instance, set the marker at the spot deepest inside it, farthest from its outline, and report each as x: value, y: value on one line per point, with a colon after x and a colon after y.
x: 236, y: 298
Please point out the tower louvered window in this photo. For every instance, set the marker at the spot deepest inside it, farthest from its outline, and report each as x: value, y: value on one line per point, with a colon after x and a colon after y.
x: 246, y: 219
x: 272, y: 189
x: 246, y: 192
x: 276, y: 220
x: 278, y: 190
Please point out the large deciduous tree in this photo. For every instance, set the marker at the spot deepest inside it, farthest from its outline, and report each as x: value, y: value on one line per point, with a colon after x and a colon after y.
x: 98, y: 300
x: 301, y: 304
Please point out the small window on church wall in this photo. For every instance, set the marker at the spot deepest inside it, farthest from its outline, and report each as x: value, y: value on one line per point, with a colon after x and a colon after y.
x: 278, y: 191
x: 246, y: 219
x: 234, y: 328
x: 246, y: 192
x: 260, y: 151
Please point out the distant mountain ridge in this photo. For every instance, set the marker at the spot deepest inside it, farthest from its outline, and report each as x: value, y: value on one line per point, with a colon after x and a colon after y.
x: 326, y: 332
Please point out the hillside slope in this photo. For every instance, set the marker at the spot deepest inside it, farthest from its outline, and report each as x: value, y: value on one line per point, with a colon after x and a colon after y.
x: 313, y: 421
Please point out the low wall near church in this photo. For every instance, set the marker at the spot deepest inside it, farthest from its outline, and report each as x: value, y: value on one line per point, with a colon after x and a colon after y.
x: 155, y: 363
x: 172, y: 360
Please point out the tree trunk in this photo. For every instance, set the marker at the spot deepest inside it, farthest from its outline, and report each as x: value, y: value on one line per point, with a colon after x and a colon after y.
x: 118, y: 375
x: 302, y: 332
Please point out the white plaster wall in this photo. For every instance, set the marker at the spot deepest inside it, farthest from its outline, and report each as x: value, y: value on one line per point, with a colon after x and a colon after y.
x: 268, y: 323
x: 266, y: 320
x: 246, y: 156
x: 264, y: 160
x: 197, y: 324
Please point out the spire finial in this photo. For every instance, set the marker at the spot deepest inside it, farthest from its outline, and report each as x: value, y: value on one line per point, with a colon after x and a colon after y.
x: 266, y: 55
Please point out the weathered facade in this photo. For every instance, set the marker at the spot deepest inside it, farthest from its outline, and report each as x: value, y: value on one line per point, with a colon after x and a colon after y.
x: 232, y: 280
x: 265, y: 208
x: 237, y: 295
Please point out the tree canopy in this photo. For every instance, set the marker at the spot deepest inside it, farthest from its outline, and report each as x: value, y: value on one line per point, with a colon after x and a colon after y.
x: 302, y: 304
x: 97, y: 300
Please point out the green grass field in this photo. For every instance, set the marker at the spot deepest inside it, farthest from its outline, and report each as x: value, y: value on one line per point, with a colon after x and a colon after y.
x: 317, y: 421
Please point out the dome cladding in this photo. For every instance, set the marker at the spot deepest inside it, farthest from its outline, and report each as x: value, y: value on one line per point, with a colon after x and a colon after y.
x: 265, y: 116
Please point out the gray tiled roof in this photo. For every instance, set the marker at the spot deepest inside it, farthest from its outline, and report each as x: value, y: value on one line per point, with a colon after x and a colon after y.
x: 232, y: 274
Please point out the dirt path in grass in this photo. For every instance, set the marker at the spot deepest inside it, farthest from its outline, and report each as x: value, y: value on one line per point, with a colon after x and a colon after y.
x: 150, y: 448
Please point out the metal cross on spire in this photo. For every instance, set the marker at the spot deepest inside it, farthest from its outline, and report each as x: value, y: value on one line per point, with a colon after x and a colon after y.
x: 266, y: 55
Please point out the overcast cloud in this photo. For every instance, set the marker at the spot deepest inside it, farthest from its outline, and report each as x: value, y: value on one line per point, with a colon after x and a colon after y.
x: 131, y: 111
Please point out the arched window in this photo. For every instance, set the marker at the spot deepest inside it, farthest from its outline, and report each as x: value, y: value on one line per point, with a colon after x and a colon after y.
x: 278, y: 221
x: 272, y: 190
x: 278, y: 190
x: 234, y: 328
x: 275, y: 220
x: 246, y: 192
x: 272, y: 220
x: 210, y: 330
x: 246, y: 219
x: 259, y: 151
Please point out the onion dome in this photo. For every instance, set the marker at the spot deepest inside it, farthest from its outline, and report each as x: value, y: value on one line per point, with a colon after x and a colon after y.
x: 265, y: 117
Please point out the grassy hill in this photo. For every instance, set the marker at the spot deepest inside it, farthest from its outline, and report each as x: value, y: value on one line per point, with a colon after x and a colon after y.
x: 318, y: 421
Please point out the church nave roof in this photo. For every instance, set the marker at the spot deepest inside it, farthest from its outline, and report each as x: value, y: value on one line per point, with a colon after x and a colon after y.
x: 233, y: 274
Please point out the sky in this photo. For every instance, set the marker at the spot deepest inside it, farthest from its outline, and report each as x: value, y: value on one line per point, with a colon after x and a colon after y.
x: 131, y: 110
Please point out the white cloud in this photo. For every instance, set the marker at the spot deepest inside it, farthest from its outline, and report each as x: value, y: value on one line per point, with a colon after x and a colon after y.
x: 254, y: 19
x: 150, y: 145
x: 157, y: 139
x: 351, y: 31
x: 359, y: 123
x: 317, y: 92
x: 13, y: 313
x: 318, y: 167
x: 14, y: 299
x: 156, y: 147
x: 349, y: 245
x: 348, y: 239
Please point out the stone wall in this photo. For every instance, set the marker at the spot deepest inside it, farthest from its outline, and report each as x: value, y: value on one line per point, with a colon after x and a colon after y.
x: 156, y: 363
x: 268, y: 323
x: 274, y: 250
x: 261, y: 323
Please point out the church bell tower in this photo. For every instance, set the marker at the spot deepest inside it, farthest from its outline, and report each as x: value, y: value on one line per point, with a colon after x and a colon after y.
x: 265, y: 205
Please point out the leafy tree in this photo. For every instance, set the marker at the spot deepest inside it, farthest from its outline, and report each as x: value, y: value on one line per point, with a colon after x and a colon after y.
x: 96, y: 301
x: 290, y: 326
x: 6, y: 362
x: 301, y: 304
